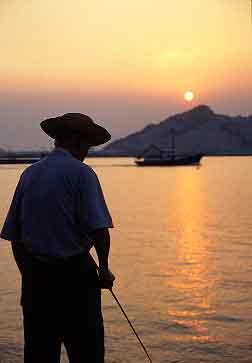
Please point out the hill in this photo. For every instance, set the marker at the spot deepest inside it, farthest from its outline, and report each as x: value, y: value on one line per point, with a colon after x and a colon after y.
x: 199, y: 130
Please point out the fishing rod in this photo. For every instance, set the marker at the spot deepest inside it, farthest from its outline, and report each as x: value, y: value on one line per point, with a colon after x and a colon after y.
x: 124, y: 313
x: 132, y: 327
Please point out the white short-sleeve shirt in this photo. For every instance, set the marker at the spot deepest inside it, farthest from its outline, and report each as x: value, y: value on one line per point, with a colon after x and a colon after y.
x: 57, y: 205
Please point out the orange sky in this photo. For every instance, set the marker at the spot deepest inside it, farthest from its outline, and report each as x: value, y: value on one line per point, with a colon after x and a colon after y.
x: 145, y: 50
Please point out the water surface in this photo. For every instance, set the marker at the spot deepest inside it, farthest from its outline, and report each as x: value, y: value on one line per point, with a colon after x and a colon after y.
x: 181, y: 252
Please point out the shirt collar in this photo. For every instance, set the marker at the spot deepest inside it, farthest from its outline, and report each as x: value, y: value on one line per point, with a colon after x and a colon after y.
x: 60, y: 151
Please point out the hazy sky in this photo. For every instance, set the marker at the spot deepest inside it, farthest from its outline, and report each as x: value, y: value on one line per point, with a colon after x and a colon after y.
x: 126, y: 63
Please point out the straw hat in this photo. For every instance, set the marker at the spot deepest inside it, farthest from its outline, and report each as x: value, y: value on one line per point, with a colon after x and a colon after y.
x: 91, y: 132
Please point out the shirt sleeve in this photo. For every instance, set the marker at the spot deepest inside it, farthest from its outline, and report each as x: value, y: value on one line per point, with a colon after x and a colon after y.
x: 93, y: 212
x: 11, y: 230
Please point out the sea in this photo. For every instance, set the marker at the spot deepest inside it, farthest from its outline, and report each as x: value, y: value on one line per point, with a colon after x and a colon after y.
x: 181, y: 251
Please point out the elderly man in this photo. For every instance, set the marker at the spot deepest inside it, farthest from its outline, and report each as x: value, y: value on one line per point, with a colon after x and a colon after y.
x: 58, y: 213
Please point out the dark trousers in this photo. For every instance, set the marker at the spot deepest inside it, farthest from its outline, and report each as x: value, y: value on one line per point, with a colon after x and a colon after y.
x: 62, y: 305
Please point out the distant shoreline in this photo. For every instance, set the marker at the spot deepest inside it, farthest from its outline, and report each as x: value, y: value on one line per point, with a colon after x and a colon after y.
x: 134, y: 157
x: 10, y: 160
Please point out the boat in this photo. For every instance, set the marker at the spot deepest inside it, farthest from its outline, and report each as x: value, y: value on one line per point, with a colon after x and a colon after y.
x: 156, y: 156
x: 177, y: 160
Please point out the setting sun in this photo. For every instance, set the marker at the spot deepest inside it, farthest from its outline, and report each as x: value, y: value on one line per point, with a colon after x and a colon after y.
x: 189, y: 96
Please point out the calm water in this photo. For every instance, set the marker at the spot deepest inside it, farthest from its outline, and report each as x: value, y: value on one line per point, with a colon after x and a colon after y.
x: 182, y: 254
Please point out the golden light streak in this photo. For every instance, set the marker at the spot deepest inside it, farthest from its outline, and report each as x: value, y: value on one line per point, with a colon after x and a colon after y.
x: 192, y: 276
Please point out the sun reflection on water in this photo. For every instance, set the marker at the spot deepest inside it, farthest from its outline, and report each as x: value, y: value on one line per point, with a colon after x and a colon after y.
x: 192, y: 280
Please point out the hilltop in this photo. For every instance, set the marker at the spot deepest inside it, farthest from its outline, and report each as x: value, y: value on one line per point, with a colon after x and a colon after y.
x: 199, y: 130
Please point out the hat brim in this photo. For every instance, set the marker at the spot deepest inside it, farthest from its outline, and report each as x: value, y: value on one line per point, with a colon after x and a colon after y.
x: 91, y: 133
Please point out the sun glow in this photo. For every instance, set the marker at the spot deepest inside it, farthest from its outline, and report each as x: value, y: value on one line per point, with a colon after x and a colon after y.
x: 69, y: 50
x: 189, y: 96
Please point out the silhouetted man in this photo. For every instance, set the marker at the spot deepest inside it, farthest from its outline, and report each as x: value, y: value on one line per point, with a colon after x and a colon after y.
x: 58, y: 213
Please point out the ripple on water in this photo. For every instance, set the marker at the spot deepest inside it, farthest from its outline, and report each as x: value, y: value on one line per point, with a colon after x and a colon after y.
x: 224, y: 319
x: 172, y: 328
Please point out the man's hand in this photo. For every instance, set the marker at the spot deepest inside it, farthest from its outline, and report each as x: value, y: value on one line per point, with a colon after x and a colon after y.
x: 106, y: 278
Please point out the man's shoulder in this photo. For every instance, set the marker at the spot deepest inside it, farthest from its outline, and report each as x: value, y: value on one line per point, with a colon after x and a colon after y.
x: 78, y: 167
x: 29, y: 169
x: 34, y: 167
x: 87, y: 172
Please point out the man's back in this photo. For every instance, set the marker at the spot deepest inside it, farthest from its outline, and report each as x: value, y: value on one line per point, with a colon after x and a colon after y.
x: 56, y: 212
